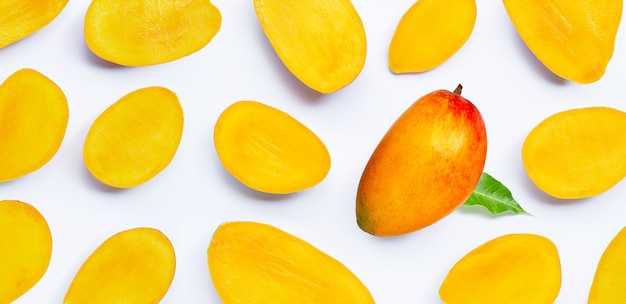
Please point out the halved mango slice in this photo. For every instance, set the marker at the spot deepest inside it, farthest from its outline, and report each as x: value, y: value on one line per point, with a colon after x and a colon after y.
x: 33, y: 119
x: 149, y: 32
x: 268, y: 150
x: 577, y: 153
x: 609, y: 281
x: 25, y: 248
x: 513, y: 268
x: 429, y: 33
x: 21, y: 18
x: 132, y: 266
x: 135, y: 138
x: 574, y: 39
x: 257, y: 263
x: 322, y: 42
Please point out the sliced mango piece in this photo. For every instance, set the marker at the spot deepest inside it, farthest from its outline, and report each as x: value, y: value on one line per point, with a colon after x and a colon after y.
x: 609, y: 281
x: 322, y: 42
x: 25, y: 248
x: 268, y: 150
x: 149, y: 32
x: 21, y: 18
x: 135, y: 138
x: 513, y: 268
x: 132, y: 266
x: 577, y: 153
x: 574, y: 39
x: 33, y: 119
x: 429, y: 33
x: 257, y: 263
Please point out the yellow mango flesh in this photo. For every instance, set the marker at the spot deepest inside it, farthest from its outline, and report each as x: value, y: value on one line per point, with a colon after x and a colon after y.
x: 574, y: 39
x: 426, y: 166
x: 21, y: 18
x: 135, y: 138
x: 33, y: 119
x: 322, y: 42
x: 609, y: 281
x: 577, y: 153
x: 268, y: 150
x: 25, y: 248
x: 149, y: 32
x: 257, y: 263
x: 429, y: 33
x: 132, y: 266
x: 514, y: 268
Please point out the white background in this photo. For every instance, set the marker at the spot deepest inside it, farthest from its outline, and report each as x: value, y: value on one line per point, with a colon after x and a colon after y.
x: 192, y: 196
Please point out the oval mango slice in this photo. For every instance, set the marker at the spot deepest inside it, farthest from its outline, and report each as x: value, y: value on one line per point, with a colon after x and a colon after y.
x: 322, y: 42
x: 33, y: 119
x: 257, y: 263
x: 268, y: 150
x: 132, y: 266
x: 21, y: 18
x: 577, y: 153
x: 429, y: 33
x: 135, y: 138
x: 25, y: 248
x: 149, y: 32
x: 514, y: 268
x: 609, y: 282
x: 573, y: 39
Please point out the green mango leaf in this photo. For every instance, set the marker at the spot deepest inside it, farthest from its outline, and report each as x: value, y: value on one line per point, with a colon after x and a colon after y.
x: 494, y: 196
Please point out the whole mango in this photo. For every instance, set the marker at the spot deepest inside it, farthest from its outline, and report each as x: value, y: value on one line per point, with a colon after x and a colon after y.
x: 427, y: 164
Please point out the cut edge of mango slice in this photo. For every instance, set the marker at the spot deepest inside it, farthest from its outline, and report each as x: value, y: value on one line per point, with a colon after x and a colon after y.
x: 22, y: 18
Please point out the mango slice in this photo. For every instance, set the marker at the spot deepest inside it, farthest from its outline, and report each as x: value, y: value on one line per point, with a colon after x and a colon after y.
x: 257, y: 263
x: 573, y: 39
x: 149, y: 32
x: 132, y: 266
x: 609, y: 281
x: 33, y: 119
x: 135, y: 138
x: 25, y: 248
x: 21, y: 18
x: 514, y: 268
x: 322, y: 42
x: 429, y: 33
x: 268, y: 150
x: 577, y: 153
x: 426, y: 166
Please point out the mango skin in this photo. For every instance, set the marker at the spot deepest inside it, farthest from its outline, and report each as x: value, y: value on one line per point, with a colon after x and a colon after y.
x: 609, y: 282
x: 429, y: 33
x: 34, y: 114
x: 321, y: 42
x: 149, y: 32
x: 25, y: 248
x: 426, y: 165
x: 268, y: 150
x: 513, y: 268
x: 577, y: 153
x: 21, y: 18
x: 132, y: 266
x: 252, y: 262
x: 573, y: 39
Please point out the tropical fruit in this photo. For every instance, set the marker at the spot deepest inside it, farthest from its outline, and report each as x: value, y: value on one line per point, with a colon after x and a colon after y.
x: 322, y: 42
x: 426, y: 166
x: 513, y: 268
x: 577, y: 153
x: 252, y: 262
x: 573, y: 39
x: 21, y: 18
x: 268, y: 150
x: 149, y: 32
x: 33, y: 119
x: 609, y: 282
x: 429, y: 33
x: 135, y: 138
